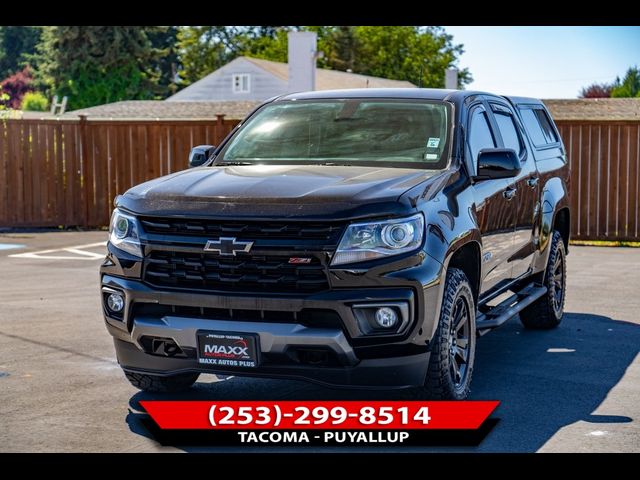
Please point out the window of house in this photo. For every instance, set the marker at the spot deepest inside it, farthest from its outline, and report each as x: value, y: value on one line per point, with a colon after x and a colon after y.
x: 241, y: 83
x: 537, y: 123
x: 479, y: 134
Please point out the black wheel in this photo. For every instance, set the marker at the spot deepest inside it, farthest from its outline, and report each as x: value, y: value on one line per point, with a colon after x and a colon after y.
x: 547, y: 311
x: 454, y: 344
x: 162, y: 384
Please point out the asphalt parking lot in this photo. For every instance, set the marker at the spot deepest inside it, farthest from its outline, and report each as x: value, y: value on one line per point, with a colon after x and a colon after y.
x: 575, y: 388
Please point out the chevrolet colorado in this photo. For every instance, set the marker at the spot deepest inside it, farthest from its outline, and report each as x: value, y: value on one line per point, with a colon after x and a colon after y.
x: 356, y: 238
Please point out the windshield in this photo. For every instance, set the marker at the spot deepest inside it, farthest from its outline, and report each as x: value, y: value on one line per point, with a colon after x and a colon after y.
x: 404, y: 133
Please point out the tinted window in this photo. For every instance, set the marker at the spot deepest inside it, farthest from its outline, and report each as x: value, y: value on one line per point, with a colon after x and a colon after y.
x: 545, y: 123
x: 344, y: 131
x: 532, y: 126
x: 479, y: 134
x: 508, y: 131
x: 538, y: 126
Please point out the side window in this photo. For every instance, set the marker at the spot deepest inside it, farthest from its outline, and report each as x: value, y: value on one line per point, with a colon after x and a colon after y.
x: 545, y: 123
x: 508, y: 130
x: 479, y: 134
x: 538, y: 126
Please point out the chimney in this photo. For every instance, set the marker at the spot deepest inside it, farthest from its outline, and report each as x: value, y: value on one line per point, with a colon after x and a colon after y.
x: 451, y: 78
x: 302, y: 61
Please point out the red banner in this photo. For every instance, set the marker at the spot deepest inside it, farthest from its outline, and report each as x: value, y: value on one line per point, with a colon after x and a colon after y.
x: 326, y: 415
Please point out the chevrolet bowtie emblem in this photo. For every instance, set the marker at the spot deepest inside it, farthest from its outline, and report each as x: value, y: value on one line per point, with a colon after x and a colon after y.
x: 227, y: 246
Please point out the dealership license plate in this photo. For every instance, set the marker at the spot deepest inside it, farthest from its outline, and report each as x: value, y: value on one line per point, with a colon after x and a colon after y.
x: 224, y: 349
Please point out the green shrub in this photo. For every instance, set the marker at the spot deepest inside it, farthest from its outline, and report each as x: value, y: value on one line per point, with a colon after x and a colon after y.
x: 4, y: 98
x: 34, y: 102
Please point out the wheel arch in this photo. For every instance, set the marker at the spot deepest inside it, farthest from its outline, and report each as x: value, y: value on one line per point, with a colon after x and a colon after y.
x: 467, y: 258
x: 562, y: 223
x: 555, y: 212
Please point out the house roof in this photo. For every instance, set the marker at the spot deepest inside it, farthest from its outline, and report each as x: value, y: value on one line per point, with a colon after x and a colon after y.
x: 146, y: 109
x: 595, y: 109
x: 331, y: 79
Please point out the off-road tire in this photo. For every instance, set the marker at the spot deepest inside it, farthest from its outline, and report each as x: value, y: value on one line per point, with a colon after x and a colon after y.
x: 547, y: 311
x: 162, y: 384
x: 440, y: 383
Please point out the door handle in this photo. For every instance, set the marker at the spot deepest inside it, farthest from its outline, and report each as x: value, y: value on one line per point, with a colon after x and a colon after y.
x: 533, y: 182
x: 509, y: 193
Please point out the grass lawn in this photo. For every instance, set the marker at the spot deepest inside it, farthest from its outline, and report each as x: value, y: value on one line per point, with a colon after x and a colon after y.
x: 605, y: 243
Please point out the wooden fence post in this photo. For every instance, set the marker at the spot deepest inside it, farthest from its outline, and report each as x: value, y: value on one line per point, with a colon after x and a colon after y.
x: 87, y: 180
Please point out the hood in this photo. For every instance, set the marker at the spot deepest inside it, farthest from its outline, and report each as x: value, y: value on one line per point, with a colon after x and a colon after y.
x: 275, y: 190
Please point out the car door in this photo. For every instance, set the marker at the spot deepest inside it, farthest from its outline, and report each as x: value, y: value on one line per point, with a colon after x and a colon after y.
x: 524, y: 188
x: 494, y: 211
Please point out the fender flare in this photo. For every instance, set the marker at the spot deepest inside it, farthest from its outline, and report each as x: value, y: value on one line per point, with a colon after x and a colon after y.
x: 554, y: 198
x: 467, y: 237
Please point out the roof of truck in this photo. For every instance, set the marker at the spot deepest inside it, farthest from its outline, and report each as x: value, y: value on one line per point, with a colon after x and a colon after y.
x: 424, y: 93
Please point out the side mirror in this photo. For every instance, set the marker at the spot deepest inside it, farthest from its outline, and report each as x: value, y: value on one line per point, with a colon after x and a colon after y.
x: 497, y: 163
x: 200, y: 154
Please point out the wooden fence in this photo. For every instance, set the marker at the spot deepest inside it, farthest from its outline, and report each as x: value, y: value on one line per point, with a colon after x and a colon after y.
x: 605, y: 171
x: 67, y: 172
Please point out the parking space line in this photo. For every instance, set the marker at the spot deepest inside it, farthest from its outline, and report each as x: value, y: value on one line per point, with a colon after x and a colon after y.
x: 82, y: 252
x: 76, y: 250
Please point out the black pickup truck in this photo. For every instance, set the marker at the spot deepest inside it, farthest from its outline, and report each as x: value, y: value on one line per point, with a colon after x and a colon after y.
x: 355, y: 238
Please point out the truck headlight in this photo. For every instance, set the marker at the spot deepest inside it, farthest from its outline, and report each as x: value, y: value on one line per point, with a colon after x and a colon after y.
x: 123, y: 233
x: 368, y: 241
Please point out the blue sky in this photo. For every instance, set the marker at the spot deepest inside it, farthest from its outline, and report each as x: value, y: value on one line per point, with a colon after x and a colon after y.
x: 545, y: 62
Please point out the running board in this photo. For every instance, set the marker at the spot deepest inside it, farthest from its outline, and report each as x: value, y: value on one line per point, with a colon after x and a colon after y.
x: 508, y: 308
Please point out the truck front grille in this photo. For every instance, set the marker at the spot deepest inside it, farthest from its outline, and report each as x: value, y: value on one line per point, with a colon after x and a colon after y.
x: 244, y: 272
x: 253, y: 230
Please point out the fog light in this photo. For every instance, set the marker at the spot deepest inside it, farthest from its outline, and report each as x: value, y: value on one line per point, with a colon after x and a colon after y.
x: 115, y: 302
x: 386, y: 317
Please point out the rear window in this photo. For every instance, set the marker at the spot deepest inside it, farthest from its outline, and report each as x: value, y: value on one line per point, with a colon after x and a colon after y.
x: 538, y: 125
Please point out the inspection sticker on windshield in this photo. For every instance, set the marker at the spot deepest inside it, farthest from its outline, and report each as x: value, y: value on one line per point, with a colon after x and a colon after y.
x: 433, y: 142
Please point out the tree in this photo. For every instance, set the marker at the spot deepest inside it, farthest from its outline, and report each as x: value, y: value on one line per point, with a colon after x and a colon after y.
x: 204, y: 49
x: 16, y: 86
x: 596, y: 90
x: 270, y: 45
x: 93, y: 65
x: 340, y: 46
x: 416, y: 54
x: 165, y: 62
x: 630, y: 85
x: 16, y: 45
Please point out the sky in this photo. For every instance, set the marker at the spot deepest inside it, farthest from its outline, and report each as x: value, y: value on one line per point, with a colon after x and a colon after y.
x: 545, y: 62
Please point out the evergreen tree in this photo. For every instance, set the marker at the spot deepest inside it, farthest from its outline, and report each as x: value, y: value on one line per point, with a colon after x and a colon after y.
x: 93, y: 65
x: 165, y: 63
x: 16, y: 45
x: 630, y: 85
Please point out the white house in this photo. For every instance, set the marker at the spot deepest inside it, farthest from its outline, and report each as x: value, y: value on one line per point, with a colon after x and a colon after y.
x: 254, y: 79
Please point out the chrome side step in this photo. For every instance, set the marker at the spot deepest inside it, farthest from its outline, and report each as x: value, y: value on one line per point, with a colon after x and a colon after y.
x: 508, y: 308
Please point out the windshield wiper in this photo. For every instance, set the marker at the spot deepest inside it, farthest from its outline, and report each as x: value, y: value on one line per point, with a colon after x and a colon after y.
x: 236, y: 163
x: 334, y: 164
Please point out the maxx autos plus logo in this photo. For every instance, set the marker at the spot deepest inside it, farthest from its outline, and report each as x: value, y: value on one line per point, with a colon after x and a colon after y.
x: 238, y: 350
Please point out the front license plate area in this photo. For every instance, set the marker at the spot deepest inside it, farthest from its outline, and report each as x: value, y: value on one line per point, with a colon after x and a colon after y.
x: 228, y: 350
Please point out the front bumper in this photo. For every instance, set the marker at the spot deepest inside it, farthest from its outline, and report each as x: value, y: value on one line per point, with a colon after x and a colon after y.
x: 354, y: 360
x: 394, y: 372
